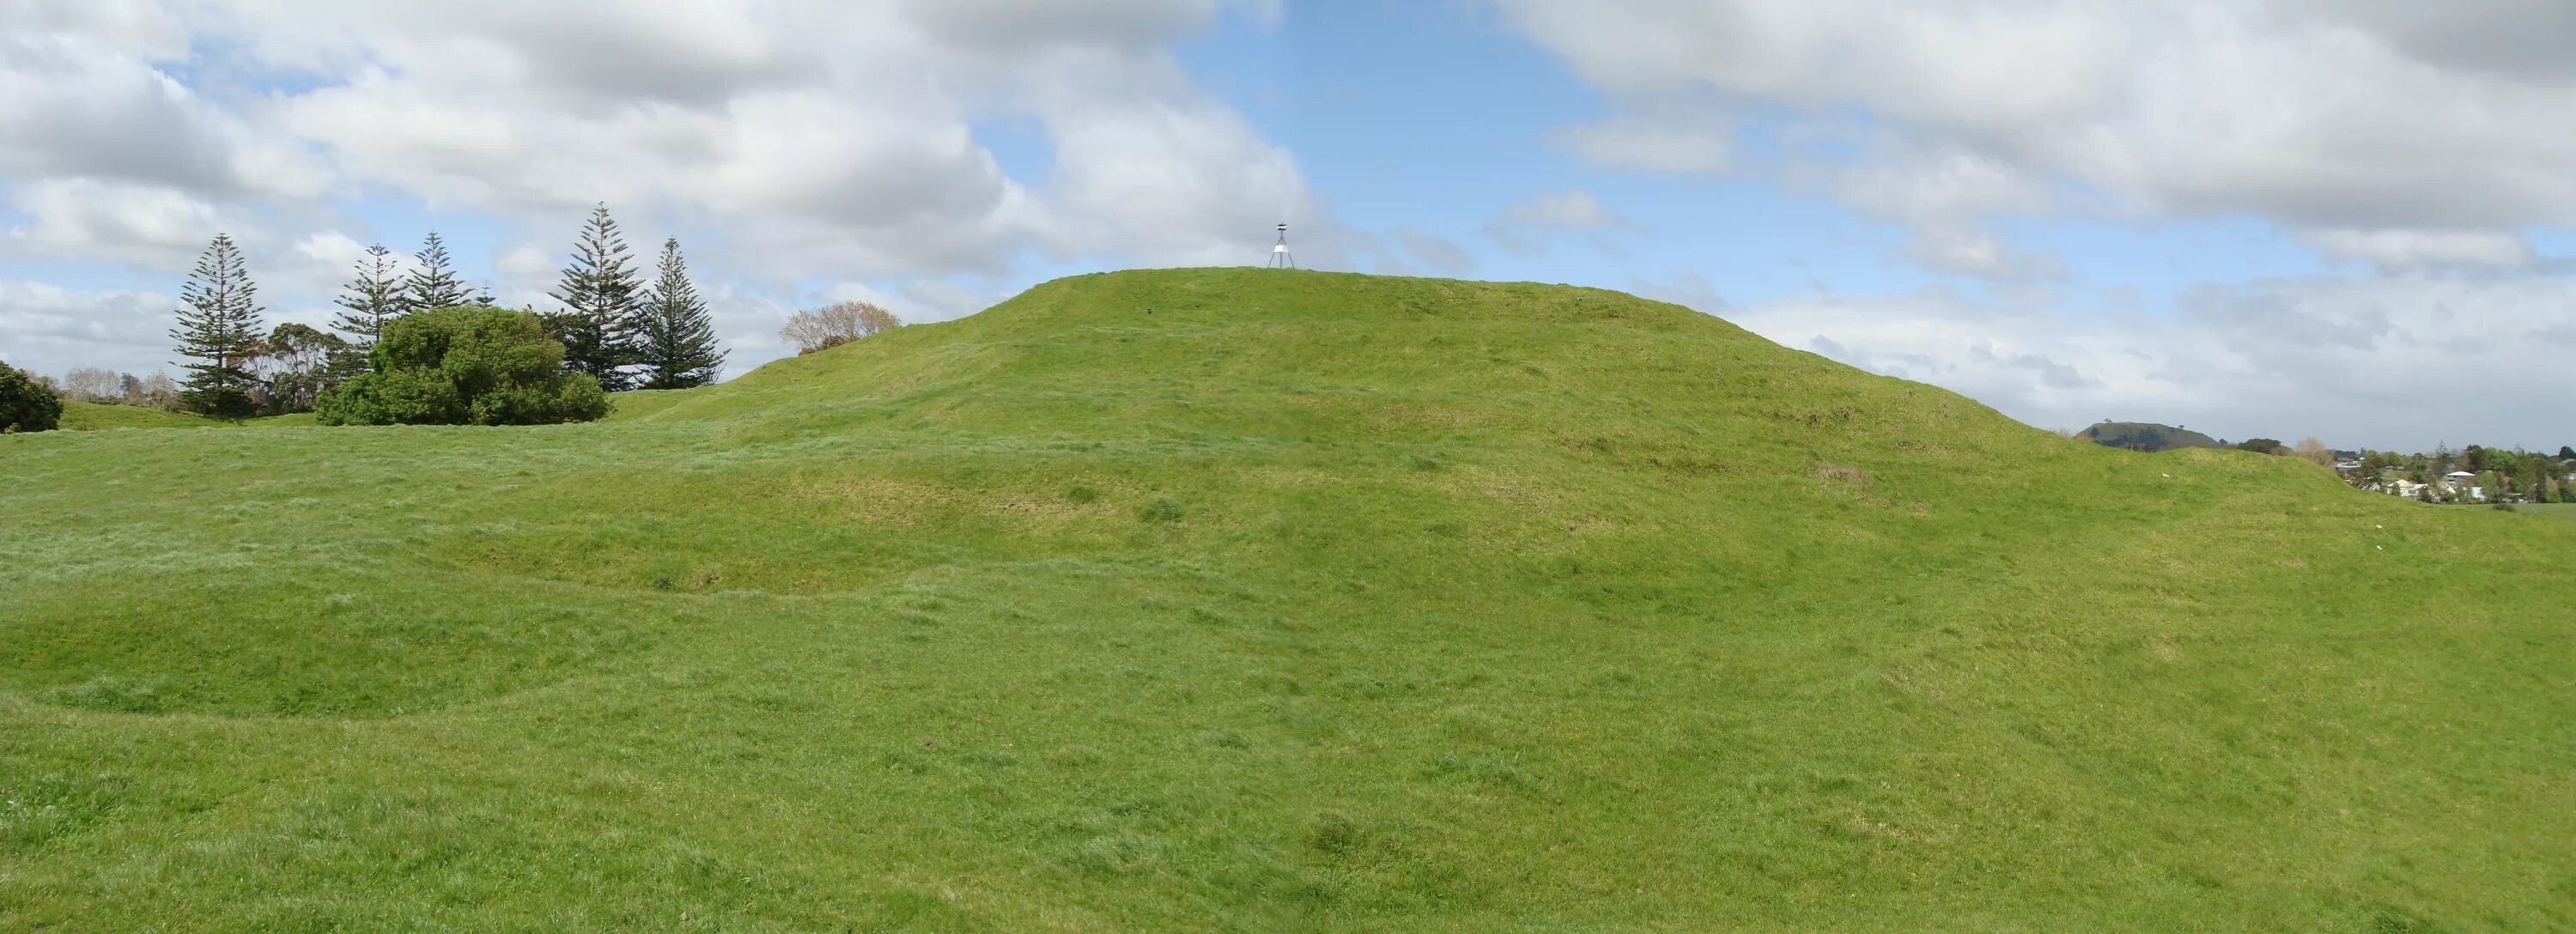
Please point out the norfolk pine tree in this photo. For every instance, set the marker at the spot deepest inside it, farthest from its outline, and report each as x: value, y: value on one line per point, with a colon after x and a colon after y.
x: 604, y: 297
x: 676, y: 340
x: 373, y: 298
x: 220, y: 329
x: 434, y: 284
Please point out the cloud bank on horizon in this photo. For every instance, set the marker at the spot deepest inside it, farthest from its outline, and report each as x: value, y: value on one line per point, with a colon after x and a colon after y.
x: 2345, y: 218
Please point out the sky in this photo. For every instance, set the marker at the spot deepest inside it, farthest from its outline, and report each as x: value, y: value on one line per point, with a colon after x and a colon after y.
x: 2347, y: 219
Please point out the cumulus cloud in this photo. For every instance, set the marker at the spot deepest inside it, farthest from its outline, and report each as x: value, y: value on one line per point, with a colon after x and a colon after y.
x: 122, y: 329
x: 1183, y: 179
x: 2392, y: 132
x: 2405, y: 249
x: 2358, y: 360
x: 783, y: 140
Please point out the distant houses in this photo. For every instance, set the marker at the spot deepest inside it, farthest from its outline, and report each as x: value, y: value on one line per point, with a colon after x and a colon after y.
x: 2459, y: 485
x: 2465, y: 485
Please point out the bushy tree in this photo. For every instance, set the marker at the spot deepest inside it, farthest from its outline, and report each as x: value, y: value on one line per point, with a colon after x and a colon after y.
x: 465, y: 366
x: 373, y: 298
x: 603, y: 297
x: 297, y: 363
x: 2315, y: 452
x: 155, y: 391
x: 219, y: 329
x: 434, y: 284
x: 2477, y: 458
x: 676, y: 340
x: 2261, y: 446
x: 836, y: 324
x: 25, y: 403
x: 92, y: 384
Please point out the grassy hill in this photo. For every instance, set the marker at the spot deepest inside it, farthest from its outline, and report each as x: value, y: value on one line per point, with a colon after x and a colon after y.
x: 1306, y: 602
x: 2145, y: 436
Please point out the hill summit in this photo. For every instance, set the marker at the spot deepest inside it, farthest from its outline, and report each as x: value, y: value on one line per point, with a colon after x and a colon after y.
x: 2145, y: 436
x: 1269, y: 601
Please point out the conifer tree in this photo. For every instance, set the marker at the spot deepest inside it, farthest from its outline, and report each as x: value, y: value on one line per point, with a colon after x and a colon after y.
x: 604, y: 297
x: 676, y: 339
x: 220, y: 329
x: 434, y: 284
x: 373, y: 298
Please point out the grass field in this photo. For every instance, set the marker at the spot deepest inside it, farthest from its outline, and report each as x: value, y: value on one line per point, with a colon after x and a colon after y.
x: 2557, y: 510
x: 1306, y: 602
x: 91, y: 416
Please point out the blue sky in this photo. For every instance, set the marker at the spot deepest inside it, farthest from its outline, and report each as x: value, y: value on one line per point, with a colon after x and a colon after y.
x: 2279, y: 219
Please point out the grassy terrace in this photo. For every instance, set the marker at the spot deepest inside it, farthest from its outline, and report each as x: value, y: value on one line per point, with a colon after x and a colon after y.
x: 1306, y: 602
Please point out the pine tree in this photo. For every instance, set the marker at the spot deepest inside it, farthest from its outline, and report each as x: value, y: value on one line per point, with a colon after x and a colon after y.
x: 220, y: 328
x: 605, y: 298
x: 373, y: 298
x: 676, y: 339
x: 434, y: 284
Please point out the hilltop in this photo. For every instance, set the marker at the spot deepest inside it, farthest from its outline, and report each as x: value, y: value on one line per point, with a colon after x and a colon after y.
x: 2145, y: 436
x: 1303, y: 602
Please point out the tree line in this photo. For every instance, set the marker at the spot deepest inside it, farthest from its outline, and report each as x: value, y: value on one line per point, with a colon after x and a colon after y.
x: 618, y: 329
x: 421, y: 345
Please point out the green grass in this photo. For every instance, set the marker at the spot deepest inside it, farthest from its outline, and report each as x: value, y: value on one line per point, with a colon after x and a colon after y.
x: 2559, y: 510
x: 91, y: 416
x: 1308, y: 602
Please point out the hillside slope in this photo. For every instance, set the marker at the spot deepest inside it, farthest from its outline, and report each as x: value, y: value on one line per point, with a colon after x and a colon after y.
x: 1304, y: 602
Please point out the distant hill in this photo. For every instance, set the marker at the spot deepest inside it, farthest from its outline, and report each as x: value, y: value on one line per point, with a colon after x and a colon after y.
x: 2145, y: 436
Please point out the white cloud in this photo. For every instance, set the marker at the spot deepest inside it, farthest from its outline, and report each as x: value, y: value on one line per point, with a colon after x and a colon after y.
x: 52, y: 329
x: 2402, y: 249
x: 2364, y: 124
x: 2399, y: 361
x: 783, y: 140
x: 150, y: 226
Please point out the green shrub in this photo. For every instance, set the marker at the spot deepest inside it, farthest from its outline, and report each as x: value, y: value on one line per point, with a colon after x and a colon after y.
x: 464, y: 366
x: 25, y: 404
